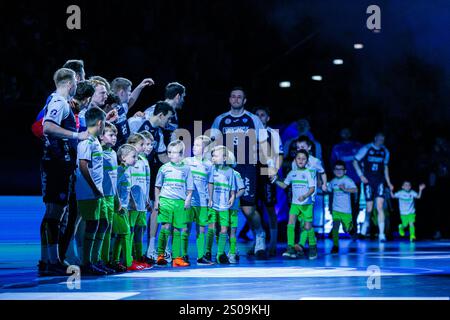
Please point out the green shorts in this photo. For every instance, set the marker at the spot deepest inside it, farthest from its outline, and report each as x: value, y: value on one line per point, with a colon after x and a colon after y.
x: 223, y: 217
x: 234, y: 218
x: 90, y: 209
x: 172, y: 211
x: 304, y: 212
x: 138, y: 218
x: 121, y: 223
x: 408, y: 218
x: 344, y: 218
x: 107, y: 208
x: 199, y: 215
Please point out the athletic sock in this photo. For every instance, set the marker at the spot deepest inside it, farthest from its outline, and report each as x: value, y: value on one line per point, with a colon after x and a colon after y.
x: 222, y: 242
x: 200, y: 245
x: 106, y: 246
x: 97, y: 246
x: 126, y: 250
x: 88, y: 244
x: 273, y: 237
x: 117, y: 248
x: 151, y: 246
x: 176, y: 250
x: 233, y: 245
x: 162, y: 240
x: 335, y: 233
x: 53, y: 253
x: 303, y: 237
x: 209, y: 240
x: 169, y: 243
x: 184, y: 243
x: 291, y: 234
x: 412, y: 231
x: 312, y: 237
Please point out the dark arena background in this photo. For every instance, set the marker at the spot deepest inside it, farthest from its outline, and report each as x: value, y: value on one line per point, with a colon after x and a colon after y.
x: 326, y: 62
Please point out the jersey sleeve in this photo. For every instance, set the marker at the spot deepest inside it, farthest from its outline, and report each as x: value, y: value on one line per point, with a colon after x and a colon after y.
x: 288, y: 179
x: 387, y: 157
x: 362, y: 153
x: 319, y: 167
x: 233, y: 181
x: 149, y: 112
x: 57, y: 111
x: 159, y: 178
x: 211, y: 175
x: 261, y: 132
x: 239, y: 182
x: 84, y: 150
x: 350, y: 184
x: 414, y: 194
x: 189, y: 180
x: 277, y: 143
x: 161, y: 146
x: 397, y: 194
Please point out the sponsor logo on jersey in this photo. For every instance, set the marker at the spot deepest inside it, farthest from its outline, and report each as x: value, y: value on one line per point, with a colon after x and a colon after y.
x: 240, y: 129
x: 227, y: 121
x: 375, y: 159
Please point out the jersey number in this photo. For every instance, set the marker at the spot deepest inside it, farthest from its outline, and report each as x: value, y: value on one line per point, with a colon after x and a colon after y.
x: 375, y: 167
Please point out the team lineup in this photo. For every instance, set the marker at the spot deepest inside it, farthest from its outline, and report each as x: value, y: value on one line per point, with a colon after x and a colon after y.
x: 109, y: 179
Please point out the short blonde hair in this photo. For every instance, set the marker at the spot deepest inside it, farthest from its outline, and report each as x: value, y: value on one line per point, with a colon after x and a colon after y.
x: 206, y: 142
x: 124, y: 150
x: 147, y: 135
x: 177, y: 143
x: 230, y: 159
x: 135, y: 138
x: 63, y: 76
x: 110, y: 127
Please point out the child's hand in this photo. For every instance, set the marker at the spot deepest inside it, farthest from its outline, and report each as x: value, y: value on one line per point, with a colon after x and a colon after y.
x: 230, y: 202
x: 210, y: 203
x: 187, y: 204
x: 301, y: 198
x: 364, y: 180
x: 342, y: 187
x: 422, y: 186
x: 324, y: 188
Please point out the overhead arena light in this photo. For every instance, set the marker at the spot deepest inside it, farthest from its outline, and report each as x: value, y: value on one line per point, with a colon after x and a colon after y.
x: 317, y: 78
x: 358, y: 46
x: 338, y: 61
x: 285, y: 84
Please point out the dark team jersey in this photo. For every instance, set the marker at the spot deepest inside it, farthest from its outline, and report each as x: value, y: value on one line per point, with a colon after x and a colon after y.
x: 373, y: 160
x: 123, y: 130
x: 346, y: 152
x: 240, y: 134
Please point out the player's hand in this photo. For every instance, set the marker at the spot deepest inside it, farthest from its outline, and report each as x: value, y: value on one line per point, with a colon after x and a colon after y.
x: 422, y: 186
x: 83, y: 135
x: 210, y: 204
x: 391, y: 186
x: 274, y: 178
x: 146, y: 82
x: 112, y: 115
x: 230, y: 202
x: 139, y: 114
x: 364, y: 180
x: 187, y: 205
x: 324, y: 188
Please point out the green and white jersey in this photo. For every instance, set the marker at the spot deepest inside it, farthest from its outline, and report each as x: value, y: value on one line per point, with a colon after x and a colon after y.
x: 315, y: 166
x: 301, y: 180
x: 201, y: 169
x: 90, y: 150
x: 239, y: 184
x: 140, y: 182
x: 174, y: 179
x: 124, y: 185
x: 406, y: 201
x: 341, y: 200
x: 223, y: 180
x: 109, y: 172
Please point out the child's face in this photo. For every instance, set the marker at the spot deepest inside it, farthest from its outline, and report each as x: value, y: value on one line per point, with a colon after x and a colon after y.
x: 175, y: 154
x: 301, y: 160
x: 218, y: 157
x: 339, y: 171
x: 148, y: 146
x: 303, y: 146
x: 130, y: 159
x: 197, y: 149
x: 406, y: 186
x: 109, y: 138
x: 140, y: 146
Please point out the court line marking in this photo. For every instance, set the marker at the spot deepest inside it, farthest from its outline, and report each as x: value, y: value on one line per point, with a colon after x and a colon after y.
x: 66, y: 295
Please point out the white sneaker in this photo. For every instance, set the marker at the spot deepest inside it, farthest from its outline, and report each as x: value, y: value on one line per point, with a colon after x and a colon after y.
x: 153, y: 256
x: 232, y: 258
x: 168, y: 256
x: 260, y: 243
x: 382, y: 237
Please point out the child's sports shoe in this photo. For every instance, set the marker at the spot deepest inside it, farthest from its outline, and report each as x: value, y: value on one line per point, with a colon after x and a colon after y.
x: 204, y: 262
x: 168, y: 256
x: 119, y: 267
x: 151, y: 259
x: 91, y: 269
x: 179, y: 262
x: 299, y: 251
x: 312, y: 252
x: 401, y: 231
x: 412, y: 239
x: 290, y: 253
x: 382, y: 237
x: 223, y: 259
x: 232, y: 258
x: 161, y: 261
x: 208, y: 256
x: 186, y: 259
x: 272, y: 252
x: 102, y: 266
x: 334, y: 250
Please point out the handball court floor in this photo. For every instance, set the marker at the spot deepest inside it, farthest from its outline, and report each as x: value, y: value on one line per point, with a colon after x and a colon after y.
x: 363, y: 270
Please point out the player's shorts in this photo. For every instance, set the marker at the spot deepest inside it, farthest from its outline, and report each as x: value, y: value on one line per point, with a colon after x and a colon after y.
x: 121, y: 223
x: 249, y: 174
x: 408, y: 218
x: 57, y: 181
x: 198, y: 215
x: 172, y: 211
x: 374, y: 189
x: 219, y: 216
x: 304, y: 212
x: 138, y: 218
x: 107, y: 208
x: 344, y: 218
x: 90, y: 209
x: 266, y: 191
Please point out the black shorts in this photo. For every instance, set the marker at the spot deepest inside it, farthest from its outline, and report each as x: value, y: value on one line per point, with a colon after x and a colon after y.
x: 249, y: 176
x: 266, y: 191
x: 374, y: 189
x: 58, y: 181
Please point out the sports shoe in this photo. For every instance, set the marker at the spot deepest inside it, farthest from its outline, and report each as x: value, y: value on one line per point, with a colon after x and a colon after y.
x: 148, y: 261
x: 223, y: 259
x: 381, y: 237
x: 272, y: 252
x: 204, y: 262
x: 312, y: 252
x: 260, y: 243
x: 232, y: 258
x: 161, y: 261
x: 135, y: 266
x: 179, y: 262
x: 102, y: 266
x: 119, y: 267
x: 56, y: 269
x: 334, y: 250
x: 412, y: 239
x: 208, y: 256
x: 92, y: 270
x: 152, y: 257
x: 290, y: 253
x: 299, y: 250
x: 186, y: 258
x: 168, y: 256
x: 401, y: 231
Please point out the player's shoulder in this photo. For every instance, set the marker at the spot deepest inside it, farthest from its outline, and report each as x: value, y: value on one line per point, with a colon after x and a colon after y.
x: 222, y: 116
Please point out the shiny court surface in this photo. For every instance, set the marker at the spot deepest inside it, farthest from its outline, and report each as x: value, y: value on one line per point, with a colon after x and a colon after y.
x: 363, y: 270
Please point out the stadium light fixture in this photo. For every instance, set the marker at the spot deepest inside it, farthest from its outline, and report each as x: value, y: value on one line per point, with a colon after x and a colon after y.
x: 358, y: 46
x: 338, y: 61
x: 285, y: 84
x: 316, y: 78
